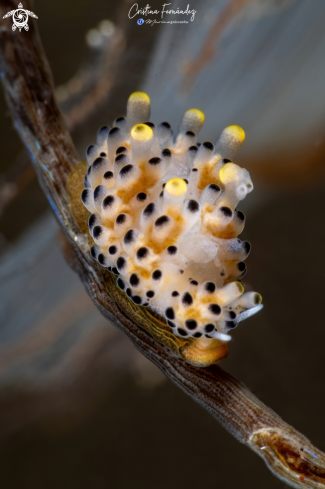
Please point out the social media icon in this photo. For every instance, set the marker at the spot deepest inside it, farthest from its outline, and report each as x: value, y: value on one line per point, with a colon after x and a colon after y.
x: 140, y: 21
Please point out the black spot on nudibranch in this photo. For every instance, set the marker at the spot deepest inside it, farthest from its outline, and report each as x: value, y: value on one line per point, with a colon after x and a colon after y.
x: 142, y: 252
x: 129, y: 237
x: 114, y: 131
x: 126, y: 170
x: 97, y: 231
x: 120, y: 263
x: 92, y: 220
x: 165, y: 124
x: 197, y: 335
x: 241, y: 215
x: 175, y: 293
x: 128, y: 292
x: 108, y: 175
x: 215, y: 309
x: 208, y: 145
x: 194, y: 282
x: 191, y: 324
x: 150, y: 124
x: 93, y: 252
x: 209, y: 328
x: 187, y: 299
x: 90, y: 149
x: 166, y: 153
x: 103, y: 154
x: 162, y: 221
x: 156, y: 275
x: 115, y: 271
x: 241, y: 266
x: 103, y: 130
x: 210, y: 287
x: 155, y: 161
x: 190, y: 134
x: 98, y: 163
x: 120, y: 283
x: 108, y: 201
x: 85, y: 195
x: 137, y: 300
x: 120, y: 119
x: 121, y: 149
x: 182, y: 332
x: 170, y: 313
x: 226, y: 160
x: 101, y: 259
x: 193, y: 206
x: 232, y: 314
x: 112, y: 250
x: 120, y: 158
x: 172, y: 250
x: 141, y: 196
x: 150, y: 294
x: 226, y: 211
x: 98, y: 190
x: 247, y: 246
x: 149, y: 209
x: 214, y: 187
x: 186, y: 181
x: 193, y: 149
x: 121, y: 218
x: 171, y: 324
x: 134, y: 280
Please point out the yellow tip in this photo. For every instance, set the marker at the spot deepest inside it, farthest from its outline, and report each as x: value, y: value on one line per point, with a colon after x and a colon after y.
x: 176, y: 187
x: 237, y: 132
x: 257, y: 298
x: 141, y: 132
x: 139, y: 97
x: 228, y: 173
x: 240, y: 287
x: 197, y: 114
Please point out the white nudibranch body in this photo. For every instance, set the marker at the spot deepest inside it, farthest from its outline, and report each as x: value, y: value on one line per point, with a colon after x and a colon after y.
x: 164, y: 219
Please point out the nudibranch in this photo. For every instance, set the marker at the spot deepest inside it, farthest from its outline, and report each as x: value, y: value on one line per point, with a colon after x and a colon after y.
x: 164, y: 220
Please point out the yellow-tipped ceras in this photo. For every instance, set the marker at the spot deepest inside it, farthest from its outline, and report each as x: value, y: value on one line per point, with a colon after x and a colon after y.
x: 164, y: 221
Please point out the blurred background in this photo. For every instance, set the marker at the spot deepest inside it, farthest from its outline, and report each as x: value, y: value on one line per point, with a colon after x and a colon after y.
x: 79, y: 406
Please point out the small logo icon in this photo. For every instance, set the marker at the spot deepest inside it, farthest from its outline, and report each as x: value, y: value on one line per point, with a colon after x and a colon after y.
x: 20, y: 18
x: 140, y: 21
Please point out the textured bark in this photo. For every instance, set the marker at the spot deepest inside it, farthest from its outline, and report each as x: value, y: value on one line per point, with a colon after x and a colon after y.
x: 29, y: 91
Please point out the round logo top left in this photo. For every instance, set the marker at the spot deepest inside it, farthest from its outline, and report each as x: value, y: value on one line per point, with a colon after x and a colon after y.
x: 20, y: 18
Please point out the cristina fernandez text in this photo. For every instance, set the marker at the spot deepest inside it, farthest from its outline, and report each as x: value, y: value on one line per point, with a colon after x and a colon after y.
x: 134, y: 10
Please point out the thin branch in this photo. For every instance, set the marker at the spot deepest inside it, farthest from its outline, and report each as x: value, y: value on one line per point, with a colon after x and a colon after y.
x: 29, y: 91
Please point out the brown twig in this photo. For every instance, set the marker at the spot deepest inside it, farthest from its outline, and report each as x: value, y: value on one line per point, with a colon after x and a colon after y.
x: 92, y: 84
x: 29, y: 91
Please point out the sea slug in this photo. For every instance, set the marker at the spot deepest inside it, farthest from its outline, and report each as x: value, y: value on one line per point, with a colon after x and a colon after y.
x: 164, y: 219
